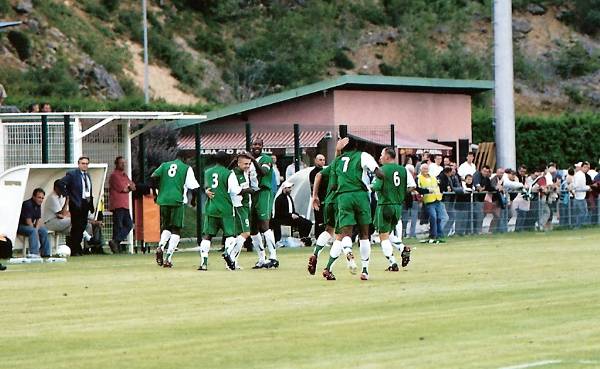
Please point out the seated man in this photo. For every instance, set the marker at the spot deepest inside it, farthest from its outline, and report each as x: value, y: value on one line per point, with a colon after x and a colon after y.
x: 285, y: 214
x: 30, y: 225
x: 56, y: 213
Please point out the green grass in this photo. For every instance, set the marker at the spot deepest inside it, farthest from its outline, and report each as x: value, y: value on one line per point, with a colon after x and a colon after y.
x: 471, y: 303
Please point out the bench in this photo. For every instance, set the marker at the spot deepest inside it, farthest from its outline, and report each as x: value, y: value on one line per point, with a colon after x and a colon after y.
x: 22, y: 242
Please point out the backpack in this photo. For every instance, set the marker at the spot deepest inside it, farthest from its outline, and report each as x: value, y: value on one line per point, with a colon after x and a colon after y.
x: 5, y: 248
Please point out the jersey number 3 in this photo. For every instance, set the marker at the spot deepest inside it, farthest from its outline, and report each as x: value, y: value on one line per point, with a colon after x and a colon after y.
x: 172, y: 170
x: 215, y: 180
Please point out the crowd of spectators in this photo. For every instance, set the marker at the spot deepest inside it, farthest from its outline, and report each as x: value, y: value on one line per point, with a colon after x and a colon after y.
x: 456, y: 200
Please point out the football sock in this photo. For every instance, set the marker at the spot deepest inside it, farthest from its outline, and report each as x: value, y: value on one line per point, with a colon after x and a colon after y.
x: 164, y: 238
x: 239, y: 243
x: 270, y: 241
x: 365, y: 253
x: 322, y: 240
x: 388, y: 251
x: 334, y: 253
x: 347, y: 245
x: 173, y: 241
x: 230, y: 245
x: 257, y: 242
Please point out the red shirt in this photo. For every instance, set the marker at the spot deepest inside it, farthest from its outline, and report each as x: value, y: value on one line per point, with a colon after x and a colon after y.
x: 119, y: 192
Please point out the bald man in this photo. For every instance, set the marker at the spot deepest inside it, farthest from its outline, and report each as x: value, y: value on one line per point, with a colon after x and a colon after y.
x: 319, y: 164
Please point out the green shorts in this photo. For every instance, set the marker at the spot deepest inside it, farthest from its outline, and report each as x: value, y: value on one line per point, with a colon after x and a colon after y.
x: 386, y: 217
x: 242, y: 222
x: 171, y: 216
x: 329, y: 214
x: 213, y: 224
x: 353, y: 208
x: 262, y: 205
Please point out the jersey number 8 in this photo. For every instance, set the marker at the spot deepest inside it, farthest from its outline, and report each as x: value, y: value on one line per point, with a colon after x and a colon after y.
x: 172, y: 170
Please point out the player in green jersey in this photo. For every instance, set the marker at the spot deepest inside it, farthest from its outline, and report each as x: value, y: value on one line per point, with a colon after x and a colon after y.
x: 171, y: 179
x: 219, y: 181
x: 353, y: 205
x: 240, y: 198
x: 262, y: 207
x: 329, y: 205
x: 391, y: 192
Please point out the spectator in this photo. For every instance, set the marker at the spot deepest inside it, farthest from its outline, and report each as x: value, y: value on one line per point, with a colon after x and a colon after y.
x: 33, y: 108
x: 468, y: 167
x: 592, y: 195
x: 432, y: 201
x: 291, y: 169
x: 451, y: 186
x: 581, y: 188
x: 483, y: 193
x: 436, y: 168
x: 566, y: 198
x: 5, y: 249
x: 3, y: 94
x: 56, y: 213
x: 46, y: 108
x: 79, y: 191
x: 319, y: 164
x: 446, y: 162
x: 464, y: 211
x: 285, y: 214
x: 424, y: 160
x: 522, y: 174
x: 412, y: 206
x: 6, y: 108
x: 31, y: 225
x: 119, y: 188
x: 499, y: 221
x: 276, y: 175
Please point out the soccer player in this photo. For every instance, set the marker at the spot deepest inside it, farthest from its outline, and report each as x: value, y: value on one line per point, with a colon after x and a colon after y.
x: 391, y: 191
x: 262, y: 207
x: 240, y: 197
x: 329, y: 209
x: 219, y: 181
x: 171, y: 178
x: 353, y: 205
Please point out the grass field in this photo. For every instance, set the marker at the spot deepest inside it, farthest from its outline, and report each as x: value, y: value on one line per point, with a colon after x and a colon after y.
x: 493, y: 302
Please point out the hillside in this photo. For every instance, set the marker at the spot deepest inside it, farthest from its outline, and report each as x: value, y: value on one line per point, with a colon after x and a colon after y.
x: 223, y: 51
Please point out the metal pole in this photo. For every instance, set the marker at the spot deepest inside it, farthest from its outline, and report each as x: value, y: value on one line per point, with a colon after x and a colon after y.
x: 392, y: 135
x: 343, y: 131
x: 146, y: 81
x: 503, y: 82
x: 471, y: 215
x: 297, y: 147
x: 200, y: 176
x: 67, y: 132
x: 248, y: 136
x: 44, y: 139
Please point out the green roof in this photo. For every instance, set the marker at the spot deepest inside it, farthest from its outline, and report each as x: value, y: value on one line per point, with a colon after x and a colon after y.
x: 362, y: 82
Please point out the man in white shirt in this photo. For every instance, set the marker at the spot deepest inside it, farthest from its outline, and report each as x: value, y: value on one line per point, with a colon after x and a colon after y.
x: 581, y: 189
x: 291, y: 169
x: 55, y: 213
x: 436, y: 167
x: 468, y: 167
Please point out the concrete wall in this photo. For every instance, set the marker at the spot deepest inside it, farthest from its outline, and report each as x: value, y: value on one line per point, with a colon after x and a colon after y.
x: 445, y: 117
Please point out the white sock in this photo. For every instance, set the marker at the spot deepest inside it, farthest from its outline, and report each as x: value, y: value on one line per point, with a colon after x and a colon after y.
x: 257, y: 242
x: 229, y: 245
x: 239, y: 243
x: 86, y: 236
x: 173, y: 241
x: 164, y: 238
x: 270, y: 241
x: 399, y: 231
x: 388, y: 251
x: 347, y: 245
x: 365, y: 252
x: 323, y: 238
x: 336, y: 249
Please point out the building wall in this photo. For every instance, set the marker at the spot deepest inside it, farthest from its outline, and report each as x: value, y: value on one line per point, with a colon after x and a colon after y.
x: 445, y: 117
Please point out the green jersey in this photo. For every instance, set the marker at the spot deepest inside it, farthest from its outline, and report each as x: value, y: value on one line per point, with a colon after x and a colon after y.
x: 392, y: 188
x: 216, y: 178
x: 266, y: 163
x: 242, y: 181
x: 351, y: 171
x: 175, y: 176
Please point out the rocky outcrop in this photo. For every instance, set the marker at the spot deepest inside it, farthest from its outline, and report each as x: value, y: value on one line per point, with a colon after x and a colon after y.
x: 24, y: 7
x: 94, y: 76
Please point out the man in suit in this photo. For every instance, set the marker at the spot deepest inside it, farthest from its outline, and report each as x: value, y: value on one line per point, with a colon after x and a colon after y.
x: 285, y: 214
x: 78, y: 187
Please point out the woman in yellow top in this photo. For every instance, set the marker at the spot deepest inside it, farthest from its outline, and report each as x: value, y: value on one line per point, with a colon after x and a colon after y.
x: 432, y: 200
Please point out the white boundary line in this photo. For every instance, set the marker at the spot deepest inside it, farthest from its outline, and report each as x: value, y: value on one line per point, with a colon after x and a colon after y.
x: 532, y: 365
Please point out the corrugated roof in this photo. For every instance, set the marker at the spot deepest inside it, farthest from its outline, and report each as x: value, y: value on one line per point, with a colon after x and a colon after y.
x: 237, y: 141
x: 9, y: 24
x: 401, y: 140
x: 356, y: 82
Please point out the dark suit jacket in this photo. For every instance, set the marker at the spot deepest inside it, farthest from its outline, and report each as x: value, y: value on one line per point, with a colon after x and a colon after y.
x: 74, y: 190
x: 282, y: 211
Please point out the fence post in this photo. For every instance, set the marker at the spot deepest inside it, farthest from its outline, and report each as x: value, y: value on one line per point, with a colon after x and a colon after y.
x: 539, y: 214
x: 248, y: 136
x: 297, y: 152
x: 343, y: 131
x: 392, y: 135
x: 67, y: 133
x: 200, y: 176
x: 569, y: 206
x: 471, y: 215
x: 44, y: 139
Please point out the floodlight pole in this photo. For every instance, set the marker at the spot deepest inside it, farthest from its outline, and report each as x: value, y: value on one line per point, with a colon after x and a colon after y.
x: 146, y: 82
x: 67, y: 133
x: 200, y: 174
x: 503, y: 85
x: 44, y: 139
x: 297, y: 152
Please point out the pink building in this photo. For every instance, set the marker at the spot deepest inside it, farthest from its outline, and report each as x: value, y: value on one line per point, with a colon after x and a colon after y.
x: 427, y: 114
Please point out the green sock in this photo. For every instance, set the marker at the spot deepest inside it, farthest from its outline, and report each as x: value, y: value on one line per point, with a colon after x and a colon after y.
x: 318, y: 250
x: 205, y: 260
x: 330, y: 262
x: 365, y: 270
